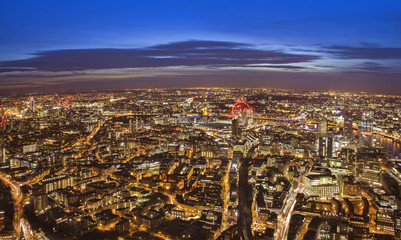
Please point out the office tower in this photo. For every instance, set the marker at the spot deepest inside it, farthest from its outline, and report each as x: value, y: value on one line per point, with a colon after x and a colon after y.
x: 131, y: 125
x: 348, y: 124
x: 235, y: 127
x: 2, y: 145
x: 323, y: 126
x: 325, y: 144
x: 40, y: 203
x: 32, y: 104
x: 365, y: 130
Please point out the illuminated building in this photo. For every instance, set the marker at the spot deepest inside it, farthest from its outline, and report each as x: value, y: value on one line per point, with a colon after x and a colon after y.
x: 371, y: 172
x: 323, y: 126
x: 29, y: 148
x: 348, y: 124
x: 322, y: 186
x: 384, y: 222
x: 365, y: 130
x: 8, y: 235
x: 40, y: 203
x: 235, y: 131
x: 3, y: 157
x: 32, y: 104
x: 325, y: 145
x: 92, y: 143
x: 1, y: 220
x: 57, y: 182
x: 174, y: 213
x: 2, y: 146
x: 131, y: 125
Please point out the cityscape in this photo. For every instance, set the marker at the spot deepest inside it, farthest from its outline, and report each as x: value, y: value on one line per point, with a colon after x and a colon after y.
x: 201, y: 163
x: 200, y: 120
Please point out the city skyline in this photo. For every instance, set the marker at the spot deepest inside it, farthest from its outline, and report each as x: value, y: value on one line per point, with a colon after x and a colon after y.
x: 48, y: 46
x: 195, y: 120
x: 200, y: 163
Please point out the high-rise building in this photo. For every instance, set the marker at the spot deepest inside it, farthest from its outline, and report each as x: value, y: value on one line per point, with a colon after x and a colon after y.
x: 325, y: 145
x: 32, y: 104
x: 40, y: 203
x: 348, y: 124
x: 323, y: 126
x: 235, y: 131
x: 2, y: 147
x: 2, y: 154
x: 131, y: 125
x: 365, y: 130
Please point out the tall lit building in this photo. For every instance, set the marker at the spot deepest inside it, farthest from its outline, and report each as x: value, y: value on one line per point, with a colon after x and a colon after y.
x: 40, y: 203
x: 325, y: 145
x: 323, y: 126
x: 131, y: 125
x: 325, y: 140
x: 365, y: 130
x: 2, y: 154
x: 32, y: 104
x: 2, y: 147
x: 348, y: 124
x: 235, y: 127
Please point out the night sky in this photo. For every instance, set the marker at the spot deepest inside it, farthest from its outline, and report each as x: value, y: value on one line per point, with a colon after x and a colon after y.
x: 81, y: 45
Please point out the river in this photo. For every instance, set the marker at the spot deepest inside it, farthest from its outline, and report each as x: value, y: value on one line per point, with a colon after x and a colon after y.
x: 391, y: 145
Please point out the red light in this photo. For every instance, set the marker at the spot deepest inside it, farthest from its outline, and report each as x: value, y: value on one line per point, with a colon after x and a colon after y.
x: 239, y: 107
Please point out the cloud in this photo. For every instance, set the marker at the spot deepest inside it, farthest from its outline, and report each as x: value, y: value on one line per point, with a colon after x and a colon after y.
x: 261, y: 66
x: 14, y: 69
x: 187, y: 53
x: 364, y: 52
x: 197, y: 44
x: 371, y: 66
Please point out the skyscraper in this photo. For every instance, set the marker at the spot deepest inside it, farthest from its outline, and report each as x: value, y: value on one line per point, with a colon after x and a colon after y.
x: 32, y: 104
x: 2, y: 143
x: 131, y: 125
x: 323, y: 126
x: 348, y: 124
x: 325, y: 145
x: 235, y: 127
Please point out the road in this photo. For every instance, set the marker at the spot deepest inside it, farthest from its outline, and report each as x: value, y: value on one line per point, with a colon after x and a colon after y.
x: 245, y: 198
x: 19, y: 222
x: 226, y: 199
x: 244, y: 202
x: 283, y: 219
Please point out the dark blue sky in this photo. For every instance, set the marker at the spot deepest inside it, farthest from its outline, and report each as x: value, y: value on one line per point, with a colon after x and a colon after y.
x: 347, y: 45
